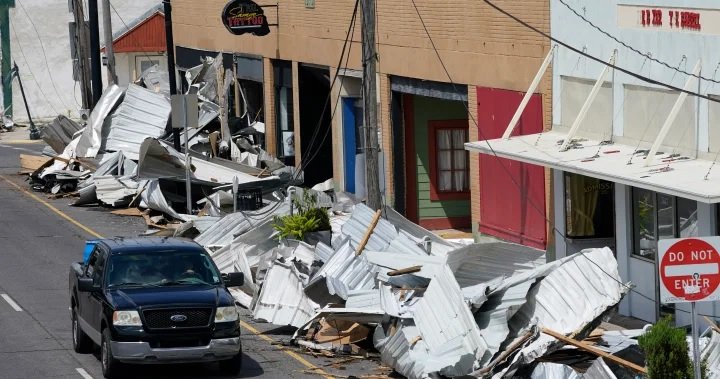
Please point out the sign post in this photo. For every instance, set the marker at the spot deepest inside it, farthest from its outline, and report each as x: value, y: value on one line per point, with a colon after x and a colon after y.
x: 185, y: 115
x: 690, y: 272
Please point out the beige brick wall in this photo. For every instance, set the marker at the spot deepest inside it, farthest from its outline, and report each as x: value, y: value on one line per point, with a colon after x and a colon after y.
x: 478, y: 45
x: 474, y: 158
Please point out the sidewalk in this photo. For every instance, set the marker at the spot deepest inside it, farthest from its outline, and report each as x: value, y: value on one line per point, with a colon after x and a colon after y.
x: 19, y: 135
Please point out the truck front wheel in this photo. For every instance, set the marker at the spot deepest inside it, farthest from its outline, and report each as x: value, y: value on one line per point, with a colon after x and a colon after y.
x: 232, y: 366
x: 81, y: 342
x: 110, y: 366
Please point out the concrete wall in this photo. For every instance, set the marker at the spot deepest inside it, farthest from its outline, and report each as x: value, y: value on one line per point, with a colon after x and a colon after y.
x: 43, y: 57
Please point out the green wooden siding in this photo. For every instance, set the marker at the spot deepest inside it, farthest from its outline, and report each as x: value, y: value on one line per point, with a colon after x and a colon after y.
x: 429, y: 109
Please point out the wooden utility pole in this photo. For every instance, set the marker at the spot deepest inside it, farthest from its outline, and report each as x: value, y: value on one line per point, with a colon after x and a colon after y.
x: 369, y: 56
x: 81, y: 42
x: 6, y: 64
x: 107, y: 31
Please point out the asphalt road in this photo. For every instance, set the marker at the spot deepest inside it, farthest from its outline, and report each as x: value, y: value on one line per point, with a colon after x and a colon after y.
x: 37, y: 246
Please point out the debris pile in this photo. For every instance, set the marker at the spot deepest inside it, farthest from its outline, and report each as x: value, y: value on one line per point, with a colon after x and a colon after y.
x: 430, y: 307
x: 123, y: 155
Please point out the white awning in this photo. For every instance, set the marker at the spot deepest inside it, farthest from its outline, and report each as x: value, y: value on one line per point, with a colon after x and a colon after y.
x: 673, y: 175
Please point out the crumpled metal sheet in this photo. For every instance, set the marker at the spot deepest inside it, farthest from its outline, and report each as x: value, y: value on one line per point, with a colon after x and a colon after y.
x: 547, y: 370
x: 153, y: 198
x: 572, y: 295
x: 115, y: 191
x: 358, y: 224
x: 142, y: 114
x: 344, y: 271
x: 439, y: 246
x: 92, y: 137
x: 224, y: 231
x: 59, y: 133
x: 284, y: 304
x: 156, y: 79
x: 711, y: 355
x: 482, y: 262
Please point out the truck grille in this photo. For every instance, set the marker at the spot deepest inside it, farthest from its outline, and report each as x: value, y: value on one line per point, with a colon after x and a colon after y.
x: 162, y: 318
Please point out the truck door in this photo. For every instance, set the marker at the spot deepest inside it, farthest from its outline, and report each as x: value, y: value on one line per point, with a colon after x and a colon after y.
x: 96, y: 298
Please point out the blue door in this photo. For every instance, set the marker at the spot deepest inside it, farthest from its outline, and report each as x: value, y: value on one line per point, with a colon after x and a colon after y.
x: 352, y: 138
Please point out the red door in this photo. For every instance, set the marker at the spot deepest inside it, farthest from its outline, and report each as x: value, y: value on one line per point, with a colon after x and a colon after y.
x: 512, y: 194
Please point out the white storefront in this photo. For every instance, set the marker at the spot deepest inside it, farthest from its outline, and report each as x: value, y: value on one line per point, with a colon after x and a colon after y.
x: 639, y: 164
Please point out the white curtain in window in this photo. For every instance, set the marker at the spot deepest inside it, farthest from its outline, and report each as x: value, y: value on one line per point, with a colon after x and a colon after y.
x: 444, y: 145
x: 459, y: 160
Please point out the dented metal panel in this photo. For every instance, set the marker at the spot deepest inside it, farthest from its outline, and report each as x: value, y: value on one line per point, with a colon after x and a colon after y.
x: 142, y: 114
x: 284, y: 304
x: 358, y: 224
x: 224, y: 231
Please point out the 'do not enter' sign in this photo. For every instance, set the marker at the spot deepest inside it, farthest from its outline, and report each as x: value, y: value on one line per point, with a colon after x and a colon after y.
x: 689, y: 269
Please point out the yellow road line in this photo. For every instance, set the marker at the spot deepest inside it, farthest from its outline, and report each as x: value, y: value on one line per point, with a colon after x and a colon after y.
x: 294, y: 355
x: 245, y: 325
x: 52, y: 208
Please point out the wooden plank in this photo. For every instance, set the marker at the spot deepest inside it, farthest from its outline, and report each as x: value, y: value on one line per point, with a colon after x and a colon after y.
x: 404, y: 271
x: 368, y: 233
x: 583, y: 346
x: 33, y: 162
x: 712, y: 324
x: 129, y: 212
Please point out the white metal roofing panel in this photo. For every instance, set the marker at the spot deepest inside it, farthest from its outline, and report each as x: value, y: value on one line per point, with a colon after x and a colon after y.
x: 685, y: 177
x: 224, y: 231
x: 711, y: 355
x: 142, y: 114
x: 114, y: 191
x: 439, y: 245
x: 358, y: 224
x: 478, y: 263
x: 284, y: 304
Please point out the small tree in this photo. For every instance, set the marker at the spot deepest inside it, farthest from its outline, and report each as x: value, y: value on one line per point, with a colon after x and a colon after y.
x: 666, y: 352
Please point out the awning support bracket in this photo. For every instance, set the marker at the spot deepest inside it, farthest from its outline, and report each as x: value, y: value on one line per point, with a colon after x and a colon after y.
x: 588, y: 102
x: 689, y: 84
x: 529, y: 93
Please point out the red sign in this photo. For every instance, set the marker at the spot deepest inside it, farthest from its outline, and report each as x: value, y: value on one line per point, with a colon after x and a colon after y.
x: 677, y: 19
x: 689, y: 269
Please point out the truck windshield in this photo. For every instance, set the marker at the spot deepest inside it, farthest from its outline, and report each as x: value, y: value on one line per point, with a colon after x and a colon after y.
x: 162, y: 268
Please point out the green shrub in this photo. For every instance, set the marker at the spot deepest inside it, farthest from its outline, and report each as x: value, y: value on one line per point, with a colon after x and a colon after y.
x: 666, y: 352
x: 307, y: 219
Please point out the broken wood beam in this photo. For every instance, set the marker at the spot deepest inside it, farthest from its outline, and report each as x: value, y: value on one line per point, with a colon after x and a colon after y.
x: 368, y: 233
x: 591, y: 349
x: 404, y: 271
x: 712, y: 324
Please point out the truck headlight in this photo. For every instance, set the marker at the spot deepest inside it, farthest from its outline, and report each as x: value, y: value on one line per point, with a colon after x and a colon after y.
x: 226, y: 314
x: 126, y: 318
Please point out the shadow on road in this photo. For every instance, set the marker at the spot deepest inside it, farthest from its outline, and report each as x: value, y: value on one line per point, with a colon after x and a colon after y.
x: 250, y: 369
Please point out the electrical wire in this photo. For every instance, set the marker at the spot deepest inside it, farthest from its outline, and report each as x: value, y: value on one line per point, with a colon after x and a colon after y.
x: 34, y: 77
x: 42, y: 46
x: 506, y: 169
x: 626, y: 45
x: 126, y: 27
x: 305, y: 162
x: 596, y: 59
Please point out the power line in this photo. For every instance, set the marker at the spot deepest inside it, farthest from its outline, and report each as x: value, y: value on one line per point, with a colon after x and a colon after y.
x: 42, y: 46
x: 596, y: 59
x: 647, y: 55
x: 497, y: 157
x: 304, y: 162
x: 34, y: 77
x: 127, y: 27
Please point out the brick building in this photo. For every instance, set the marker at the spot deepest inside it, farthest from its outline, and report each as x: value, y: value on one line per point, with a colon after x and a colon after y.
x: 425, y: 117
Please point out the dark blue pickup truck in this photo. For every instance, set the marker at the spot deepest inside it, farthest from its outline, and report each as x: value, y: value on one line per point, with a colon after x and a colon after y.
x: 154, y: 300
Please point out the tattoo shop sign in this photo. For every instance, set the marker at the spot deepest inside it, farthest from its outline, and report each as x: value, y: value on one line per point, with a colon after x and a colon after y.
x: 245, y: 16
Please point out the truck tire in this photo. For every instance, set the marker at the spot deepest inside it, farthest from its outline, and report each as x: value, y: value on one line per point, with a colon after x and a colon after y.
x: 81, y: 342
x: 110, y: 366
x: 231, y: 366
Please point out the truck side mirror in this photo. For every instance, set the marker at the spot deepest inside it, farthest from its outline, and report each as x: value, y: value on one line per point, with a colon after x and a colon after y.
x: 234, y: 279
x: 87, y: 285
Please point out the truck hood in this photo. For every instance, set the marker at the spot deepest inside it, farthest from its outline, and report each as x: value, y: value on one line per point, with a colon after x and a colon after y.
x: 134, y: 298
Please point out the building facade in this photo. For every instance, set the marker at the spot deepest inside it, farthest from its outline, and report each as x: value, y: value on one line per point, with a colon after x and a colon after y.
x: 425, y: 114
x: 632, y: 160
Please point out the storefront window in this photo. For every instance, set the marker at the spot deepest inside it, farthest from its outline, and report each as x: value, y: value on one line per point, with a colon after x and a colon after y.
x: 659, y: 216
x: 589, y: 207
x: 449, y: 166
x: 284, y: 111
